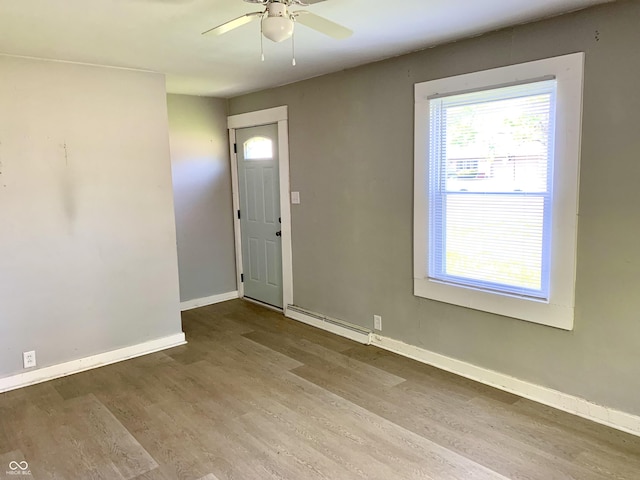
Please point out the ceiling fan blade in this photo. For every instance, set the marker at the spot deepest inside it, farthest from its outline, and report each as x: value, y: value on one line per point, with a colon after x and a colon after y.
x: 232, y: 24
x: 304, y: 3
x: 287, y: 2
x: 322, y: 25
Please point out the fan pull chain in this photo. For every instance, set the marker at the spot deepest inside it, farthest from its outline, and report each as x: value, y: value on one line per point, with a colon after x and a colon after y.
x: 293, y: 49
x: 261, y: 43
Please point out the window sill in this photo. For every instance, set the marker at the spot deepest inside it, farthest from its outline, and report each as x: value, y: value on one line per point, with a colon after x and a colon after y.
x: 532, y: 310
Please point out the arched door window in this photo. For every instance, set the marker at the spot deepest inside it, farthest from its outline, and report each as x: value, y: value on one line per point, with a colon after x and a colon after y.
x: 258, y: 148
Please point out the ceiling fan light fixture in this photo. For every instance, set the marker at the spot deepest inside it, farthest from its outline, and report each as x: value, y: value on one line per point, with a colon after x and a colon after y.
x: 277, y: 22
x: 277, y: 29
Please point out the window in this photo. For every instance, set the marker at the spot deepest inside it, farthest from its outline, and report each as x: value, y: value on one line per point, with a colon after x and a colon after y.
x: 258, y: 148
x: 496, y: 184
x: 490, y: 190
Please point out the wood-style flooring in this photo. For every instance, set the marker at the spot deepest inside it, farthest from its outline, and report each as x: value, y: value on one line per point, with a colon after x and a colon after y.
x: 256, y: 396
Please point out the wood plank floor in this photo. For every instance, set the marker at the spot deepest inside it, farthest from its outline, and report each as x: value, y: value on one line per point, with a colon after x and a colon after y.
x: 256, y: 396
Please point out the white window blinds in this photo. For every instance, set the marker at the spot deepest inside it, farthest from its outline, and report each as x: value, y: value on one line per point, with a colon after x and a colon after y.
x: 490, y: 188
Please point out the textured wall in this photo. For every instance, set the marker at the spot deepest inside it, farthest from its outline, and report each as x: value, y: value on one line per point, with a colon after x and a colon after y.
x: 87, y: 230
x: 202, y: 192
x: 351, y: 141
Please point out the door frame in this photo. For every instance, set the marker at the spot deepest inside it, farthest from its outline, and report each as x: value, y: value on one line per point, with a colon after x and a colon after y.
x: 280, y: 116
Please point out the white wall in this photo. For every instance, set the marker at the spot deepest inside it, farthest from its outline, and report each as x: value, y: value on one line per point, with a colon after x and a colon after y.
x: 202, y: 191
x: 87, y: 235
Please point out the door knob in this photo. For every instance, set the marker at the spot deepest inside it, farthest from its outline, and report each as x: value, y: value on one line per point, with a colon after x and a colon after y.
x: 279, y: 234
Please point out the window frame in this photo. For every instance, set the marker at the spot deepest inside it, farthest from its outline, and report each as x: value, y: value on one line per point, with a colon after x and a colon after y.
x: 558, y: 310
x: 439, y: 193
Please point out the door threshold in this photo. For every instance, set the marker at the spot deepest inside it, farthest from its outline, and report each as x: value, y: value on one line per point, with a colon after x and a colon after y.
x: 262, y: 304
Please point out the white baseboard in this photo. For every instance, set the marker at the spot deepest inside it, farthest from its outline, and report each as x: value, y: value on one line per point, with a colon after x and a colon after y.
x: 203, y: 302
x: 75, y: 366
x: 578, y: 406
x: 326, y: 324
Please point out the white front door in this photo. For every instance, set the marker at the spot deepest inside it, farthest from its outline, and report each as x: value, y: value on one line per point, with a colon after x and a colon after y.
x: 260, y: 222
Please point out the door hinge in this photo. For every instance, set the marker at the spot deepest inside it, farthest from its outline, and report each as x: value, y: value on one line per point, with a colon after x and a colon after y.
x: 238, y: 214
x: 242, y: 277
x: 235, y: 148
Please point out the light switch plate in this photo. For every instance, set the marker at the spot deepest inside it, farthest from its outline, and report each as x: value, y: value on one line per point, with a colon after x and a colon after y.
x: 295, y: 198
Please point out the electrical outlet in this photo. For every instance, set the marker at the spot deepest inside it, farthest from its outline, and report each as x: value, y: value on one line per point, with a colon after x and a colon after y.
x: 377, y: 322
x: 29, y: 359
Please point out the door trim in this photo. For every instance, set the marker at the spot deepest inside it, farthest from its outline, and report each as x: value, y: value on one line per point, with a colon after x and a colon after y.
x: 280, y: 116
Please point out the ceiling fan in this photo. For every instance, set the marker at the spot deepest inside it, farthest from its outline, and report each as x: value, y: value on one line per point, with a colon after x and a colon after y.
x: 277, y: 21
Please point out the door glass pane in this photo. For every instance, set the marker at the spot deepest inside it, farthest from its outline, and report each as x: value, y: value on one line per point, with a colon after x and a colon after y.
x: 258, y: 148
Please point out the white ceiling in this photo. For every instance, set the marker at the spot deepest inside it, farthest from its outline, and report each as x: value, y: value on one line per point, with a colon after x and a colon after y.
x: 164, y: 35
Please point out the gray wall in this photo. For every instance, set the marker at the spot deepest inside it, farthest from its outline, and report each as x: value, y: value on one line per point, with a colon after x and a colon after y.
x: 351, y: 142
x: 202, y: 193
x: 87, y: 231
